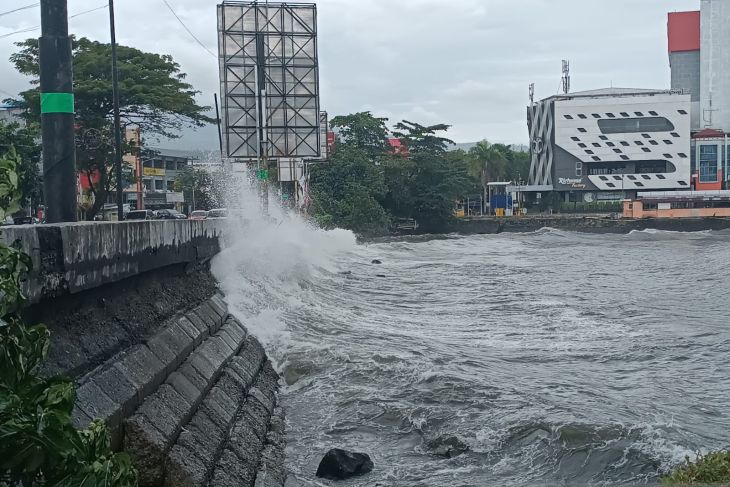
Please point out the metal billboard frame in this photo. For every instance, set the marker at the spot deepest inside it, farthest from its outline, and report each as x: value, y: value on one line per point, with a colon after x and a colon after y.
x: 269, y: 74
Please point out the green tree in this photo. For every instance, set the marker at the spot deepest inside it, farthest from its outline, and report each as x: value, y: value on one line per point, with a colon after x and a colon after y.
x: 198, y: 188
x: 38, y: 442
x: 23, y: 142
x: 346, y: 192
x: 433, y: 179
x: 153, y: 95
x: 487, y: 162
x: 364, y: 131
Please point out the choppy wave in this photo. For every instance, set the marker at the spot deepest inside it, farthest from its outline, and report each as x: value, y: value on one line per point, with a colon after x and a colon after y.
x: 559, y: 359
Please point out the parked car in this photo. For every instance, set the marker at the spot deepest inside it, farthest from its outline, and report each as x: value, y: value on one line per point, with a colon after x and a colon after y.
x: 199, y: 215
x: 25, y: 220
x: 218, y: 213
x: 140, y: 215
x: 170, y: 215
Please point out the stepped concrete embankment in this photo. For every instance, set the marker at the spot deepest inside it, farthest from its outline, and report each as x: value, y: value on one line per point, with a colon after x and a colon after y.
x: 137, y: 319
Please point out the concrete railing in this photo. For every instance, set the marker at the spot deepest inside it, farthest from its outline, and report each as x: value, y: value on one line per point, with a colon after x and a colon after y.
x: 74, y: 257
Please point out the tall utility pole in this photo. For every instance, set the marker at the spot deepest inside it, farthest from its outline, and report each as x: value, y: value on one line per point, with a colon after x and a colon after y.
x: 57, y: 113
x: 117, y: 123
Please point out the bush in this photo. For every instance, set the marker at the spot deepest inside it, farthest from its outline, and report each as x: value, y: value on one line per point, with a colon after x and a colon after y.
x: 38, y: 442
x: 713, y: 468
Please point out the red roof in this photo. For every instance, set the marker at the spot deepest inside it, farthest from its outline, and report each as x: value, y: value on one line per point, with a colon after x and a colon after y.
x: 709, y: 134
x: 683, y: 29
x: 395, y: 143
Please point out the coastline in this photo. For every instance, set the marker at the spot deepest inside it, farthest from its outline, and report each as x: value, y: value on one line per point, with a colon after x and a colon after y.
x: 582, y: 223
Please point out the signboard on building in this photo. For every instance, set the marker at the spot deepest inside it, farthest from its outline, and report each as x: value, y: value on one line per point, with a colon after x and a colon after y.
x: 290, y: 170
x: 153, y: 171
x: 175, y: 198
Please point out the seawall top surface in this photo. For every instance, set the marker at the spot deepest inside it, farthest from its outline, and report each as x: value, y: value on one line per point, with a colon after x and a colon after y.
x: 72, y: 257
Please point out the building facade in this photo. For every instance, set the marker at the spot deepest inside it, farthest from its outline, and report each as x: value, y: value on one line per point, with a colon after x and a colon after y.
x: 608, y: 144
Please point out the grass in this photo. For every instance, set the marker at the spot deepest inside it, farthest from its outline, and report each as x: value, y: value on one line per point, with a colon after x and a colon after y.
x: 710, y: 469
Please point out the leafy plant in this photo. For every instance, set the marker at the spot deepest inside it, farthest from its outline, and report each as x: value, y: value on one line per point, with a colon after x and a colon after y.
x: 38, y: 442
x: 713, y: 468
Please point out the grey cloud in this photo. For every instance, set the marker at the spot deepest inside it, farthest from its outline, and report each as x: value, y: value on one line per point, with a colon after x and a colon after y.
x: 463, y: 62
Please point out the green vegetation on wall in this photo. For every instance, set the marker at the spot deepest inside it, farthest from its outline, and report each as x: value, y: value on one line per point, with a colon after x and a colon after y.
x: 38, y: 443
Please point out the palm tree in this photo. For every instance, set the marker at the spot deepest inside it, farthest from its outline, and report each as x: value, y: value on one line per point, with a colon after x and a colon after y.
x: 488, y: 163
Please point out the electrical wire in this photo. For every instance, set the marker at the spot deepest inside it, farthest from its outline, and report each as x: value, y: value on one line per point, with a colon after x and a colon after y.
x: 19, y: 9
x: 188, y: 30
x: 30, y: 29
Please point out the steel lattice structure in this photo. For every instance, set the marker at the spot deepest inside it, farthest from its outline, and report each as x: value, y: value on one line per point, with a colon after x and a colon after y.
x: 269, y: 72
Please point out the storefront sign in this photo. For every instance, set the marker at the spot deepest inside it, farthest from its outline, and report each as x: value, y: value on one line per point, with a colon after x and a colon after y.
x: 573, y: 183
x: 153, y: 171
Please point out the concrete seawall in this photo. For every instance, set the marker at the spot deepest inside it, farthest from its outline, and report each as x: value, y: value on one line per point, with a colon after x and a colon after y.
x: 137, y: 320
x: 587, y: 224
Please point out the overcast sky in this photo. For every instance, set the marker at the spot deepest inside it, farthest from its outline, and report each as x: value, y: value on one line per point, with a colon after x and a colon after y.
x: 467, y: 63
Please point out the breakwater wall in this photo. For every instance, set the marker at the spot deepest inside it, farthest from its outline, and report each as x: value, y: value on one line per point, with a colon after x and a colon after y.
x: 580, y: 223
x: 137, y: 320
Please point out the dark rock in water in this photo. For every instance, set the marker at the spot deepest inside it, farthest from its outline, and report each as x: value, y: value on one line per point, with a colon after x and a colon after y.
x: 376, y: 261
x: 447, y: 446
x: 381, y: 275
x: 340, y: 465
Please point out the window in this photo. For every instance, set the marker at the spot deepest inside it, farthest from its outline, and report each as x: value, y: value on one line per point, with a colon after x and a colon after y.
x: 668, y: 156
x: 682, y: 155
x: 568, y: 117
x: 624, y: 143
x: 644, y: 176
x: 147, y: 184
x: 624, y: 114
x: 668, y: 142
x: 610, y: 185
x: 596, y: 158
x: 170, y: 165
x: 596, y: 144
x: 682, y: 112
x: 625, y: 158
x: 646, y: 149
x: 610, y: 115
x: 575, y: 139
x: 158, y: 184
x: 170, y: 185
x: 635, y: 125
x: 595, y: 115
x: 638, y: 114
x: 579, y: 169
x: 603, y: 137
x: 653, y: 114
x: 610, y: 144
x: 653, y: 142
x: 581, y: 116
x: 582, y: 130
x: 675, y: 135
x: 708, y: 163
x: 582, y: 145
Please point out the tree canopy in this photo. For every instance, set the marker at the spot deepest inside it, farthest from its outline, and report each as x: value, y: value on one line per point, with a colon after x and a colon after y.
x: 22, y: 143
x: 153, y: 95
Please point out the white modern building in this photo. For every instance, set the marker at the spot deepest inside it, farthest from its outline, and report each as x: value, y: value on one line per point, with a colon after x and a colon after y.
x: 608, y: 144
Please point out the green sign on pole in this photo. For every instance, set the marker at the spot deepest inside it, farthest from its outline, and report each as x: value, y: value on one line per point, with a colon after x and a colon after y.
x: 57, y: 103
